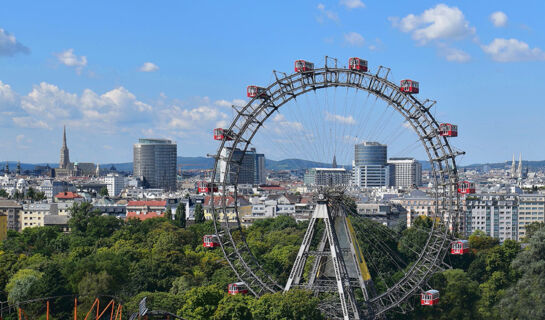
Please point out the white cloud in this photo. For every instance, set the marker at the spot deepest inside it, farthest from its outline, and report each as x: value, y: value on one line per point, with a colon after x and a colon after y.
x: 228, y: 104
x: 69, y: 59
x: 454, y: 55
x: 9, y: 46
x: 281, y: 125
x: 352, y: 4
x: 510, y: 50
x: 338, y: 118
x: 19, y: 138
x: 149, y: 67
x: 28, y: 122
x: 327, y: 13
x: 498, y: 19
x: 7, y: 95
x: 354, y: 39
x: 189, y: 119
x: 439, y: 23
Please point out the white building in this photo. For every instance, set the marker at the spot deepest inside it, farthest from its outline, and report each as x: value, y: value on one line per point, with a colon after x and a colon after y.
x: 405, y: 172
x: 495, y: 214
x: 531, y: 209
x: 114, y: 183
x: 327, y: 177
x: 371, y: 176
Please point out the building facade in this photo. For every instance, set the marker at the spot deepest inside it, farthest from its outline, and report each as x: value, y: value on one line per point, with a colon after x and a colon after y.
x: 115, y: 184
x: 370, y: 165
x: 11, y: 209
x: 250, y: 166
x: 155, y: 163
x: 494, y: 214
x: 405, y: 172
x: 327, y: 177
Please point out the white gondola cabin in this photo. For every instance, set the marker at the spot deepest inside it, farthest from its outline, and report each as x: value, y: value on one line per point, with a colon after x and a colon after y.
x: 409, y: 86
x: 210, y: 241
x: 429, y: 298
x: 357, y: 64
x: 466, y: 187
x: 256, y: 92
x: 237, y: 288
x: 459, y: 247
x: 303, y: 66
x: 222, y: 134
x: 448, y: 130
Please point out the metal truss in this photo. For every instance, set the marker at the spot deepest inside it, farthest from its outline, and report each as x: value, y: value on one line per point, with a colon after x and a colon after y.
x: 250, y: 118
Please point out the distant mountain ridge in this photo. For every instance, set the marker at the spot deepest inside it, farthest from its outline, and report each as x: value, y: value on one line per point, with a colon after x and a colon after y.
x: 188, y: 163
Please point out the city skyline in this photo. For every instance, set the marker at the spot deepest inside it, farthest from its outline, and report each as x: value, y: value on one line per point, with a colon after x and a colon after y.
x: 156, y: 85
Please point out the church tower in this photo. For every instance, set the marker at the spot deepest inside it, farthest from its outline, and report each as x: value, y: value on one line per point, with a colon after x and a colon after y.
x: 64, y: 162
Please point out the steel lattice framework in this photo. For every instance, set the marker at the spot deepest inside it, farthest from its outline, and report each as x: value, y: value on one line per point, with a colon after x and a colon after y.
x: 441, y: 155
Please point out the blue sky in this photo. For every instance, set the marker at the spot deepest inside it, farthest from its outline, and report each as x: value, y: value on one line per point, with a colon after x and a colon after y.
x: 114, y: 71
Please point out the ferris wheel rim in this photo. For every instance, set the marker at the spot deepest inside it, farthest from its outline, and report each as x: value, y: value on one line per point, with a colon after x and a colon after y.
x: 443, y: 164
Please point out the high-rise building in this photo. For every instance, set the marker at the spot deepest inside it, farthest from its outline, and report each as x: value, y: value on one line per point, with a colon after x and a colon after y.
x: 405, y: 172
x: 155, y: 163
x: 250, y: 165
x: 494, y: 214
x: 370, y: 166
x: 115, y: 184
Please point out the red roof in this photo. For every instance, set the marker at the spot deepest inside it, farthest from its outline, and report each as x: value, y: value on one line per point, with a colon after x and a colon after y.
x: 229, y: 201
x: 151, y: 203
x: 67, y: 195
x: 144, y: 216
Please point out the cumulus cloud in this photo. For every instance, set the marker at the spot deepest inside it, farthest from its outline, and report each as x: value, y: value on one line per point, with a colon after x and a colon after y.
x: 69, y: 59
x: 228, y: 104
x: 454, y: 55
x: 282, y: 126
x: 498, y: 19
x: 510, y: 50
x: 149, y: 67
x: 327, y: 14
x: 9, y: 46
x: 439, y: 23
x: 354, y: 39
x: 189, y: 119
x: 28, y: 122
x: 352, y: 4
x: 7, y: 95
x: 338, y: 118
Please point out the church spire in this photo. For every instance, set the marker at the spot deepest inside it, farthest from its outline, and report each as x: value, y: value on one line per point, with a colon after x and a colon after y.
x: 513, y: 170
x: 334, y: 164
x: 519, y: 170
x: 64, y: 137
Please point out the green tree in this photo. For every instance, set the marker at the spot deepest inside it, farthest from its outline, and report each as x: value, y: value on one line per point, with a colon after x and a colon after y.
x: 199, y: 213
x: 180, y: 215
x: 80, y: 214
x: 168, y: 214
x: 524, y: 299
x: 30, y: 194
x: 294, y: 304
x: 201, y: 302
x: 23, y: 285
x: 103, y: 192
x: 3, y: 193
x: 234, y: 307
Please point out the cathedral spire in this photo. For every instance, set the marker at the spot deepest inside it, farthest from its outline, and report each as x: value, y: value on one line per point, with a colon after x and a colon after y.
x: 519, y: 170
x: 334, y: 164
x: 513, y: 170
x: 64, y: 137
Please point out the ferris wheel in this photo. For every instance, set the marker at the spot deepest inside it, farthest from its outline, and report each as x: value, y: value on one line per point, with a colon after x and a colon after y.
x: 351, y: 267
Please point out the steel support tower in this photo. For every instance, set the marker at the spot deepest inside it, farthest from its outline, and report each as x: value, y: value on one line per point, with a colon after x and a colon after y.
x: 337, y: 265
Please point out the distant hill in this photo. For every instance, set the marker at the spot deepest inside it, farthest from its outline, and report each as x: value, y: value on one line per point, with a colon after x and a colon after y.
x: 189, y: 163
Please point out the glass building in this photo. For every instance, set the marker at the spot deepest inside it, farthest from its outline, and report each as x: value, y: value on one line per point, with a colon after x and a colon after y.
x: 155, y: 163
x: 370, y: 165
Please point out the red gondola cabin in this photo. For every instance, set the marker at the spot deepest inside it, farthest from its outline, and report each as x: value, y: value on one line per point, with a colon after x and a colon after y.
x: 210, y: 241
x: 429, y: 298
x: 303, y: 66
x: 237, y: 288
x: 448, y: 130
x: 357, y: 64
x: 466, y: 187
x: 206, y: 187
x: 222, y: 134
x: 459, y: 247
x: 255, y: 91
x: 409, y: 86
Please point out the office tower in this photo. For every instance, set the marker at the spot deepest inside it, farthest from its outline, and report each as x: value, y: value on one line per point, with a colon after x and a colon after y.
x: 250, y: 165
x: 370, y: 166
x: 405, y: 172
x: 155, y: 163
